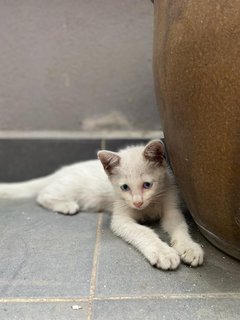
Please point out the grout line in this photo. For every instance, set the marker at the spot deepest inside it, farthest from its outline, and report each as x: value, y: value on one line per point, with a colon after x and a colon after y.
x: 103, y: 144
x: 42, y: 300
x: 104, y: 134
x: 167, y: 296
x: 94, y: 268
x: 183, y: 296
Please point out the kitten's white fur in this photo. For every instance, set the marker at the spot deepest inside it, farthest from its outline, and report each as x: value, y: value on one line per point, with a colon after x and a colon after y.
x: 85, y: 186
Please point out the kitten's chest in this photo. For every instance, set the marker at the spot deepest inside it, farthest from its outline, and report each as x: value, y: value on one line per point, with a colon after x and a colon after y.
x: 150, y: 214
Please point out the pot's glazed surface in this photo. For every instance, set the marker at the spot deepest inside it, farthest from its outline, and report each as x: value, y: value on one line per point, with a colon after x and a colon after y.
x: 197, y: 83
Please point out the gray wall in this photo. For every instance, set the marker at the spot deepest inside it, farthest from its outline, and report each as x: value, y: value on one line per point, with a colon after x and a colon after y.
x: 76, y: 65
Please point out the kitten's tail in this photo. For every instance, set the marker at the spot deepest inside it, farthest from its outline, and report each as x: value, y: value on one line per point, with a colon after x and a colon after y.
x: 26, y: 189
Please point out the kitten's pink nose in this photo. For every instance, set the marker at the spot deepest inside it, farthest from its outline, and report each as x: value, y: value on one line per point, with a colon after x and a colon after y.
x: 138, y: 204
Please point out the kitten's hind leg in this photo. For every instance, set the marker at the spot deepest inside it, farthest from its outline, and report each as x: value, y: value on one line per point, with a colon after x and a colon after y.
x: 58, y: 203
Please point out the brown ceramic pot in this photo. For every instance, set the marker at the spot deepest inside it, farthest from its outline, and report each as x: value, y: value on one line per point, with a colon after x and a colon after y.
x: 197, y: 83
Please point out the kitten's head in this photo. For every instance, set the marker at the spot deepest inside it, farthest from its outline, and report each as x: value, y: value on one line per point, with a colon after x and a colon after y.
x: 136, y: 173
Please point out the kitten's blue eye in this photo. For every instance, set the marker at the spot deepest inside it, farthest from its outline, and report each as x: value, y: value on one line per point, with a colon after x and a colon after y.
x: 147, y: 185
x: 125, y: 187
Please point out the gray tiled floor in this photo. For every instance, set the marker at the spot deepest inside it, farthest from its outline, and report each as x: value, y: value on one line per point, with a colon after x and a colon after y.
x: 50, y: 262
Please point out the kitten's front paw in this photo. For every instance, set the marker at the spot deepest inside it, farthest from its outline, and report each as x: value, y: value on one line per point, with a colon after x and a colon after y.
x: 190, y: 252
x: 164, y: 257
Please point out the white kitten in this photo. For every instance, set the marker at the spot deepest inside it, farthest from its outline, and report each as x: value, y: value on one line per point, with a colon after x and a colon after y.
x: 136, y: 186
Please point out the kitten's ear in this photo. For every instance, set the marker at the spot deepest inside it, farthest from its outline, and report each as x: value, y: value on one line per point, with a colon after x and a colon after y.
x: 109, y: 160
x: 154, y: 151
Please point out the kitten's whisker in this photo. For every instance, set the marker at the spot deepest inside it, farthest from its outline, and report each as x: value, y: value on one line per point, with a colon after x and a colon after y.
x: 121, y: 204
x: 158, y: 195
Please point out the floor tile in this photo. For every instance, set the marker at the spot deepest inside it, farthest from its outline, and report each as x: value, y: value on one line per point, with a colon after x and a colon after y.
x: 123, y: 271
x: 44, y: 253
x: 168, y: 309
x: 37, y: 157
x: 43, y: 311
